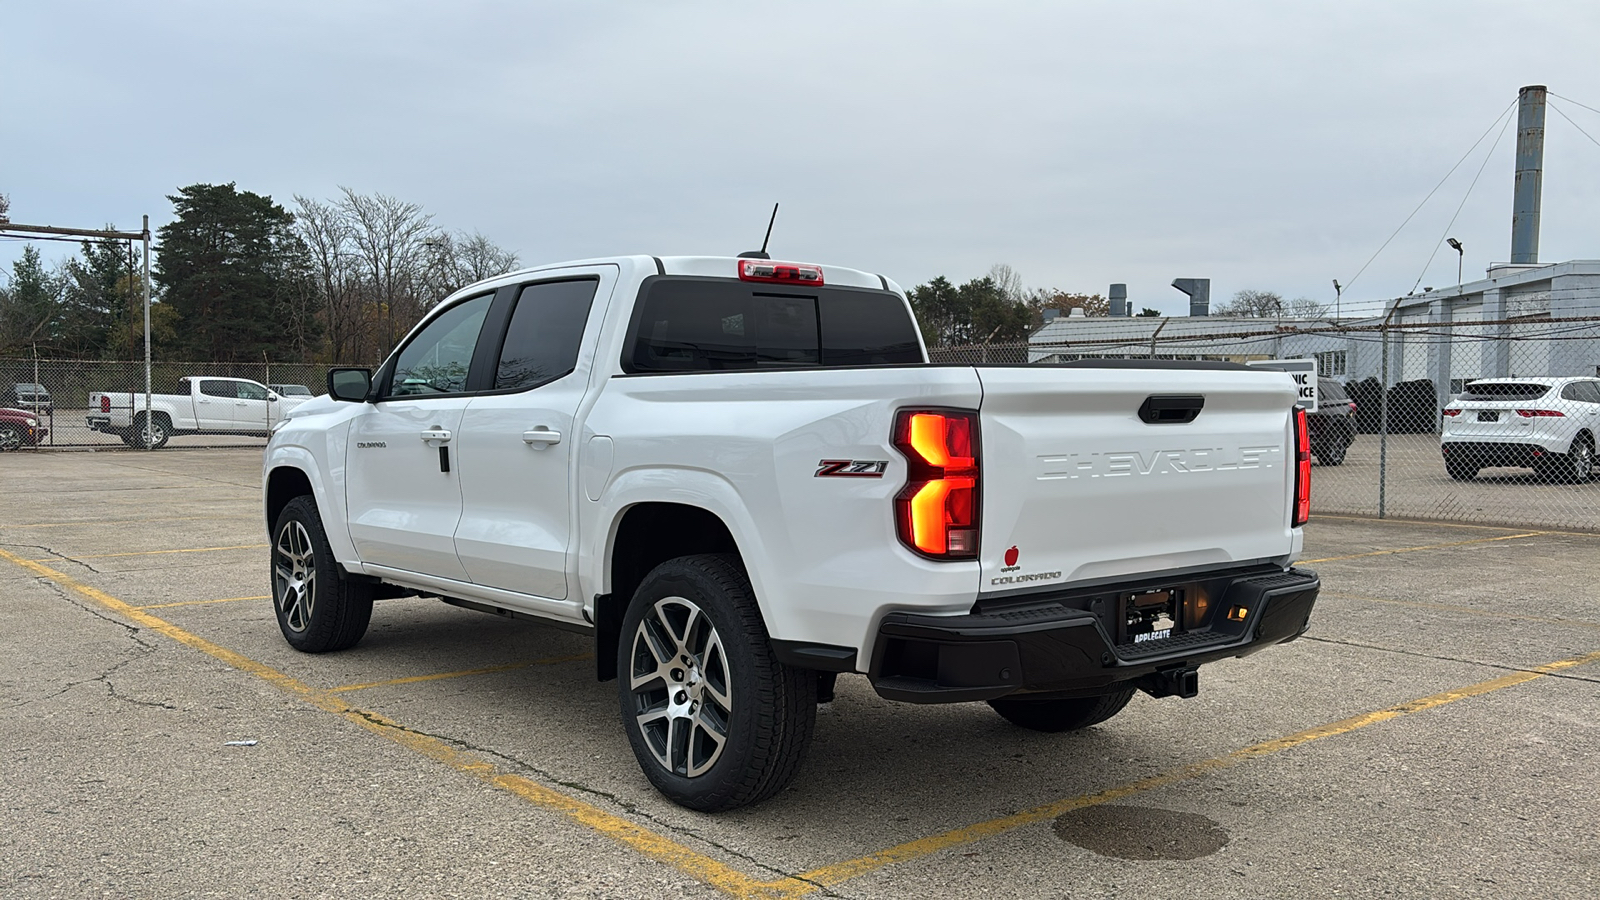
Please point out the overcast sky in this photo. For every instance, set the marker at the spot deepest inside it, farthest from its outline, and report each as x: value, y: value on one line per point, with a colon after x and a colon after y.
x: 1263, y: 145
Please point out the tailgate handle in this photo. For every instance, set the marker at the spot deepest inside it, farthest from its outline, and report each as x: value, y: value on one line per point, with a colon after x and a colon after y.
x: 1171, y: 409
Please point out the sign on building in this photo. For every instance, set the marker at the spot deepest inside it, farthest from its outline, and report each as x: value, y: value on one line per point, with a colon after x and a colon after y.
x: 1304, y: 373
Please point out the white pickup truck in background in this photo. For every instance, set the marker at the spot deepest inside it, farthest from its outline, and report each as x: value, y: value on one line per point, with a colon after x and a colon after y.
x: 743, y: 478
x: 213, y: 405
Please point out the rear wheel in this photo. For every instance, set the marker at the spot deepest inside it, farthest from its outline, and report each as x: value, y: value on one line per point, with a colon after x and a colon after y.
x: 1330, y: 455
x: 1056, y: 714
x: 154, y: 435
x: 1461, y: 469
x: 319, y: 608
x: 714, y: 719
x: 10, y: 437
x: 1578, y: 464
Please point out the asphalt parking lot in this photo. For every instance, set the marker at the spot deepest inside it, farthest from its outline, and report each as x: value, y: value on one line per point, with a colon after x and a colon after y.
x: 1434, y: 735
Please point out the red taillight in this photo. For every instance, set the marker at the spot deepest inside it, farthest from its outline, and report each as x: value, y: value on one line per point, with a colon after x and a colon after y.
x: 936, y: 514
x: 1540, y: 413
x: 1451, y: 413
x: 105, y: 403
x: 784, y: 273
x: 1302, y: 469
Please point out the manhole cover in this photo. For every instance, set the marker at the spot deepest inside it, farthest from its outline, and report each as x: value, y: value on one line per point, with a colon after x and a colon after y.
x: 1137, y: 832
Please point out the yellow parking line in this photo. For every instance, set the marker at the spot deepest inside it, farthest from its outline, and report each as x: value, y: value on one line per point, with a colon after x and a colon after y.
x: 685, y: 859
x: 1503, y: 537
x: 829, y: 876
x: 121, y: 521
x: 149, y: 553
x: 201, y: 602
x: 712, y: 871
x: 488, y: 670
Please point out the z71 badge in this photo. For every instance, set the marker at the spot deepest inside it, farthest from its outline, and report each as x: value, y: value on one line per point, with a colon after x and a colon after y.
x: 851, y: 468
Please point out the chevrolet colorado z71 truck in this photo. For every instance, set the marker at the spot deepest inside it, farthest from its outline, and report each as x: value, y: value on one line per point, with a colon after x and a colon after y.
x: 743, y: 477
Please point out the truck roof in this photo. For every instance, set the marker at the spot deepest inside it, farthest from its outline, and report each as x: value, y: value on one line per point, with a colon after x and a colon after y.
x: 701, y: 266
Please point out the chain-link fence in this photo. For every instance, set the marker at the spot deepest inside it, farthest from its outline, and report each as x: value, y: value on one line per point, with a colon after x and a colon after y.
x: 1428, y: 416
x: 55, y: 393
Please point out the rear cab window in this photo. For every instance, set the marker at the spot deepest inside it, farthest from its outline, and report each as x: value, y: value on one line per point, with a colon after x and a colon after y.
x: 684, y: 324
x: 1504, y: 391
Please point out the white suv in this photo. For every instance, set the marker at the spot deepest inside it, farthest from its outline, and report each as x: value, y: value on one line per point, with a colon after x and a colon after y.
x: 1545, y: 424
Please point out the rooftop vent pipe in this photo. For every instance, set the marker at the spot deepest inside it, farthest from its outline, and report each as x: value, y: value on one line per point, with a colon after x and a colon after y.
x: 1119, y: 300
x: 1199, y: 291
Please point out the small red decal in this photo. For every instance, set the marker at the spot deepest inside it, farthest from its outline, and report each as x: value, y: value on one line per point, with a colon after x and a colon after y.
x: 1011, y: 556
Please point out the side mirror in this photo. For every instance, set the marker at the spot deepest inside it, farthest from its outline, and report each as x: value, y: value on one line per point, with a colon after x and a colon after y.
x: 271, y: 397
x: 349, y: 385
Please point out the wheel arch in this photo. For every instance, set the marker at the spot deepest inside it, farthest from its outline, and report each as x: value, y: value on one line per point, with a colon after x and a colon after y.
x: 643, y: 536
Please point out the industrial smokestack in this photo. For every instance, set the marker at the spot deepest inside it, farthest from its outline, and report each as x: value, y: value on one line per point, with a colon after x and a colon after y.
x: 1199, y: 291
x: 1530, y: 175
x: 1119, y: 300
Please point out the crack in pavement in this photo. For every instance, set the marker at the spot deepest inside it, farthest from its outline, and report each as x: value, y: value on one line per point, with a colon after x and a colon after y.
x: 1457, y: 659
x: 56, y: 554
x: 626, y: 805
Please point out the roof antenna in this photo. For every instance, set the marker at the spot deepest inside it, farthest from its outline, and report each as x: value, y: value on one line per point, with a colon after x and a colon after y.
x: 762, y: 253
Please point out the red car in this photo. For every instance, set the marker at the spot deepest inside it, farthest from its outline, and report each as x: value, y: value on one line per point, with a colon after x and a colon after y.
x: 20, y: 428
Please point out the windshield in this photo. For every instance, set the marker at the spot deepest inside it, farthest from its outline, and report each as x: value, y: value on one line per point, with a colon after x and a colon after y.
x: 1504, y: 391
x: 1331, y: 392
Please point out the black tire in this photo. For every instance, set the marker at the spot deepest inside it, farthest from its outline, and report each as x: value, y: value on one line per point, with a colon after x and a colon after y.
x: 1331, y: 455
x: 1460, y: 470
x: 319, y: 609
x: 10, y: 437
x: 695, y: 664
x: 1577, y: 465
x: 1054, y: 714
x: 159, y: 432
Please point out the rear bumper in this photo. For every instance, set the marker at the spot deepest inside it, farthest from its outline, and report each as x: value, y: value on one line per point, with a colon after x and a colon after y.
x: 1509, y: 452
x: 1051, y: 647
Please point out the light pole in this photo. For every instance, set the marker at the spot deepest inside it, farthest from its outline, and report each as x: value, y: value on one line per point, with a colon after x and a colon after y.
x: 1461, y: 254
x: 1338, y: 295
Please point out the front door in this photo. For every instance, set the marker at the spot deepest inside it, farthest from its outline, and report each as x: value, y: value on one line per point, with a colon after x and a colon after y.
x: 402, y: 480
x: 252, y: 411
x: 520, y: 443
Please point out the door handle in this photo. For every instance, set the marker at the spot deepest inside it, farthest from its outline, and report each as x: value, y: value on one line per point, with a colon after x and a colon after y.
x: 436, y: 434
x: 541, y: 435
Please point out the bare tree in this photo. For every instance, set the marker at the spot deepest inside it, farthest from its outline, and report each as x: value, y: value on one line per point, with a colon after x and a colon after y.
x: 1251, y: 303
x: 391, y: 239
x: 1307, y: 308
x: 5, y: 208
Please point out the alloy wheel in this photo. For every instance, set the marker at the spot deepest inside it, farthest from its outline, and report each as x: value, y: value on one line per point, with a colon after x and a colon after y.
x: 294, y: 576
x: 682, y: 690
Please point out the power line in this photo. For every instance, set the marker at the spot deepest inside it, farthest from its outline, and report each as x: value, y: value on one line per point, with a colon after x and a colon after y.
x: 1573, y: 102
x: 1435, y: 190
x: 1574, y: 124
x: 1486, y: 158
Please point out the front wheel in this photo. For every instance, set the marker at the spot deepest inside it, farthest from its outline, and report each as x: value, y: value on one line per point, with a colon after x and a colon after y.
x: 1330, y: 455
x: 714, y: 719
x: 1055, y: 714
x: 10, y: 437
x: 319, y: 609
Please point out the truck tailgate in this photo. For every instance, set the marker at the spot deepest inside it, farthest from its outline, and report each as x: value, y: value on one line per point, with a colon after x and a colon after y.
x: 1078, y: 486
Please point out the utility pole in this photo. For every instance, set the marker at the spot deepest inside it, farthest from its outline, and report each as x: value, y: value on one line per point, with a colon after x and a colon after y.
x: 149, y: 438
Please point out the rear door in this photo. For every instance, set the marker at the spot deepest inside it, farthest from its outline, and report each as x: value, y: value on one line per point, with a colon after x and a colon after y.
x: 402, y: 482
x: 251, y: 410
x: 520, y: 439
x: 1080, y: 484
x: 213, y: 404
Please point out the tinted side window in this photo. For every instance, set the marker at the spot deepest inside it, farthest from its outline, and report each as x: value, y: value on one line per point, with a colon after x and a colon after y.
x: 249, y: 391
x: 1590, y: 391
x: 867, y: 329
x: 546, y: 328
x: 218, y: 389
x: 437, y: 359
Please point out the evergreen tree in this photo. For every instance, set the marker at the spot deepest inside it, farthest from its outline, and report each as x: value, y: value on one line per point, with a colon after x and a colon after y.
x: 229, y: 267
x: 30, y: 306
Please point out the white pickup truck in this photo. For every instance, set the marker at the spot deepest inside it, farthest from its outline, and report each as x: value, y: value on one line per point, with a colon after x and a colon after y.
x: 212, y: 405
x: 743, y: 478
